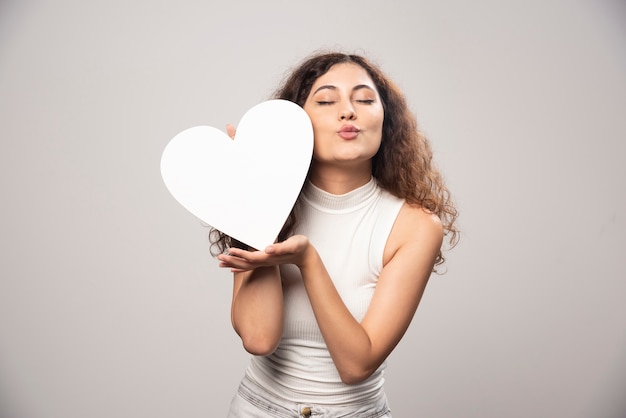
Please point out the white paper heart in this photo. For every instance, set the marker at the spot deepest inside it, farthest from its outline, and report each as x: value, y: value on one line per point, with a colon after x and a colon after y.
x: 244, y: 187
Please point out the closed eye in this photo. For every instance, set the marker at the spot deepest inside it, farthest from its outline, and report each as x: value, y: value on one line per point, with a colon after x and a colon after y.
x: 367, y: 101
x: 324, y: 102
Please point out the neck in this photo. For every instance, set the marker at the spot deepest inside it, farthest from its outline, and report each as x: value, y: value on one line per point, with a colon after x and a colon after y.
x: 339, y: 180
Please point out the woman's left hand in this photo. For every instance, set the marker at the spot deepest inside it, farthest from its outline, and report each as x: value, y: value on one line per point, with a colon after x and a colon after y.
x: 291, y: 251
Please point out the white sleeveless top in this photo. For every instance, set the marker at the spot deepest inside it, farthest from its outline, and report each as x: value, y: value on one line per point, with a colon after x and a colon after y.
x: 349, y: 232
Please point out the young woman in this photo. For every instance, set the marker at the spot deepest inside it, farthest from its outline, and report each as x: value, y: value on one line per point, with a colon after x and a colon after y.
x: 322, y: 308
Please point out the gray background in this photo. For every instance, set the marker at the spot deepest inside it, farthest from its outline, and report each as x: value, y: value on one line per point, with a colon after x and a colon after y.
x: 110, y: 305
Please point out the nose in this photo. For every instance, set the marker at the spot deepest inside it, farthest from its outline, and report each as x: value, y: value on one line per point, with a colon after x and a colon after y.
x: 347, y: 113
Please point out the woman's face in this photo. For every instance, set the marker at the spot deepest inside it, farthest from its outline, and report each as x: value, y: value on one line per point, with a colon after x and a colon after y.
x: 347, y: 116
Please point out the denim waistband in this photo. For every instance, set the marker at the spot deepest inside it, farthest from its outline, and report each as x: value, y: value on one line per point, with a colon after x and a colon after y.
x: 266, y: 403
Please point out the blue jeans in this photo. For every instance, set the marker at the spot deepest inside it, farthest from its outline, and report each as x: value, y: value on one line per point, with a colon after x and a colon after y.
x: 253, y: 401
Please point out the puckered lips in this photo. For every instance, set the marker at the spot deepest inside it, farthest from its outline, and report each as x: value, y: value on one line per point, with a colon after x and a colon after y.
x: 348, y: 132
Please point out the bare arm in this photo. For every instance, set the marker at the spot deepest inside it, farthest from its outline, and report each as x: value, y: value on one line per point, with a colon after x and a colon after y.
x: 257, y: 309
x: 257, y: 304
x: 358, y: 349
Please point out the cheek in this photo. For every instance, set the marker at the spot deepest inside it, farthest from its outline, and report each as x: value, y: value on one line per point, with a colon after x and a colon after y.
x: 318, y: 119
x: 376, y: 117
x: 381, y: 118
x: 377, y: 124
x: 320, y: 128
x: 317, y: 135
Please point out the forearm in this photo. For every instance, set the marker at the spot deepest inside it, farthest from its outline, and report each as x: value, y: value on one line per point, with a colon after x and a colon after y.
x: 348, y: 342
x: 257, y: 309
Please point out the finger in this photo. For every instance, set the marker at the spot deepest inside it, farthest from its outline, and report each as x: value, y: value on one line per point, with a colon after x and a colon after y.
x: 230, y: 130
x: 236, y: 257
x: 234, y: 252
x: 283, y: 248
x: 246, y: 261
x: 230, y: 260
x: 248, y: 256
x: 236, y: 267
x: 236, y: 270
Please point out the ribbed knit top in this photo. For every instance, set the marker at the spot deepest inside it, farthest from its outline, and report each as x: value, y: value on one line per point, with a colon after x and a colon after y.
x: 349, y: 232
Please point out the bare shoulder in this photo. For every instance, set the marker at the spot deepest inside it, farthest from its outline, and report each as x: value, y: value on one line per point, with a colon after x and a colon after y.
x: 416, y: 229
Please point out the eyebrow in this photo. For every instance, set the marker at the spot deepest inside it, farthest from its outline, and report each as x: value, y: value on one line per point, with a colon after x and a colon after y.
x: 331, y: 87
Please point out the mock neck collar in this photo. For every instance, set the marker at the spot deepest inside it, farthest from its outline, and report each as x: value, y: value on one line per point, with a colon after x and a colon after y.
x: 347, y: 202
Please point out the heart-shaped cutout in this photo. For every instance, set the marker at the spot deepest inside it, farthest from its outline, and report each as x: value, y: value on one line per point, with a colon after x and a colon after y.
x: 244, y: 187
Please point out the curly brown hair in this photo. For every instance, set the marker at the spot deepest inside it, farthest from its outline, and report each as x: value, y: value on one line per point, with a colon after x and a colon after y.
x: 403, y: 164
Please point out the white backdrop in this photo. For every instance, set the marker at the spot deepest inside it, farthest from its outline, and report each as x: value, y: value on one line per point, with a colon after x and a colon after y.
x: 110, y: 304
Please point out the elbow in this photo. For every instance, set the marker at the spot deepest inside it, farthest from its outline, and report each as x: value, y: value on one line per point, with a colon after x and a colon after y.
x: 355, y: 376
x: 259, y: 348
x: 260, y: 345
x: 258, y: 340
